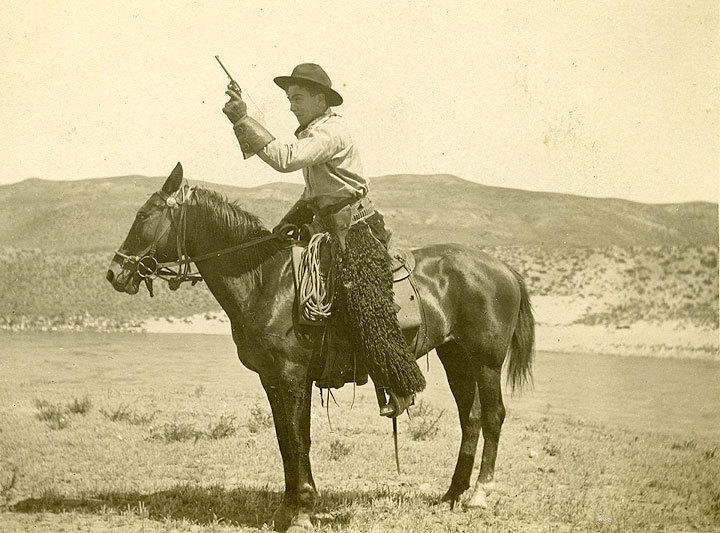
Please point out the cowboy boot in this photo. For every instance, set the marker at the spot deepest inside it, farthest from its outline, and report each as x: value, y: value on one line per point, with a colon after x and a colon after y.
x: 397, y: 405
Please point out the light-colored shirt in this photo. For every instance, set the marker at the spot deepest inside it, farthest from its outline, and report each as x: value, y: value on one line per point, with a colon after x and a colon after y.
x: 328, y: 157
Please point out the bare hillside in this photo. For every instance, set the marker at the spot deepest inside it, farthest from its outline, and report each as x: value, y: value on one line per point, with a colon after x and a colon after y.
x: 94, y: 215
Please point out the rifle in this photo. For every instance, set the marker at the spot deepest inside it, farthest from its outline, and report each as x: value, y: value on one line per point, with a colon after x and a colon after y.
x: 233, y: 84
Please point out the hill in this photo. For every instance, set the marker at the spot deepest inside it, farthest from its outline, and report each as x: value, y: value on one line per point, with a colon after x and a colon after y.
x: 615, y: 286
x: 441, y: 208
x: 94, y: 215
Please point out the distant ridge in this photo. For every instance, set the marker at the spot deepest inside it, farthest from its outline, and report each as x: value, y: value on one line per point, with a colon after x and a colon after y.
x: 94, y: 215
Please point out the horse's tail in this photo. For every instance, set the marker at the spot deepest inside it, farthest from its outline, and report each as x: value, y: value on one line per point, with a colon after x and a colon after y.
x: 522, y: 345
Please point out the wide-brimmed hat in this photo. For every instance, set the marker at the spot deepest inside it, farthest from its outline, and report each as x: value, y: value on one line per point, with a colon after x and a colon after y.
x: 312, y: 74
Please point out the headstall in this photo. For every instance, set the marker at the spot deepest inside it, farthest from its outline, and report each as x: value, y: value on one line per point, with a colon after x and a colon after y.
x: 179, y: 271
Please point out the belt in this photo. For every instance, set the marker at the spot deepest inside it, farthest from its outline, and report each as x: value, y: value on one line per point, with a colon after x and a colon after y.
x: 363, y: 210
x: 334, y: 208
x: 358, y: 209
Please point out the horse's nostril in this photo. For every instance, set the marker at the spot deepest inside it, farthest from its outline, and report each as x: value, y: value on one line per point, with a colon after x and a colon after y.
x: 110, y: 276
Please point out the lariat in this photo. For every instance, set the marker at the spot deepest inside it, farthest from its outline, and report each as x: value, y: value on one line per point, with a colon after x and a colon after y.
x: 315, y: 294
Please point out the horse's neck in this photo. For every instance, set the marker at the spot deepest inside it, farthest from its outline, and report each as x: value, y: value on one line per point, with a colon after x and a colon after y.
x: 239, y: 291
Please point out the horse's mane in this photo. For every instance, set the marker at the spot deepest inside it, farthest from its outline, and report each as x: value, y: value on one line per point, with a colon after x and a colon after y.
x: 227, y: 224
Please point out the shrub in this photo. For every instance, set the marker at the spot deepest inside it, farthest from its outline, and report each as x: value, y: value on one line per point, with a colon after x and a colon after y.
x: 338, y: 450
x: 80, y: 407
x: 424, y: 420
x: 689, y: 444
x: 123, y: 413
x: 551, y: 449
x: 8, y: 480
x: 224, y: 427
x: 180, y: 432
x: 55, y: 415
x: 120, y: 413
x: 259, y: 419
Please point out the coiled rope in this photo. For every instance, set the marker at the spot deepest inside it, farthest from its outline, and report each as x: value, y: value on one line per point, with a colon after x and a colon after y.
x: 315, y: 293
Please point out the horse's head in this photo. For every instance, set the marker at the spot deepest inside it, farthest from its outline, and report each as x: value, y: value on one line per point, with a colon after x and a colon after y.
x: 152, y: 236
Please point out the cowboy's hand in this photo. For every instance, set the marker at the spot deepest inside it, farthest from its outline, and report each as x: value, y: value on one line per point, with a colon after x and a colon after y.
x: 235, y: 108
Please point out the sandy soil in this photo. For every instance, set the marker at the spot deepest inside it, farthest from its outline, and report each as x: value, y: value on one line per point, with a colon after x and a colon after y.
x: 204, y: 323
x: 556, y: 331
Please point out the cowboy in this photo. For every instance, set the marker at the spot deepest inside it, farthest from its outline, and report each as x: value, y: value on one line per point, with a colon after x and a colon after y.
x: 335, y: 198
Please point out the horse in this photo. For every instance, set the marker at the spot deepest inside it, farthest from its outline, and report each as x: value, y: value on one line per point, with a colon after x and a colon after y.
x: 477, y: 312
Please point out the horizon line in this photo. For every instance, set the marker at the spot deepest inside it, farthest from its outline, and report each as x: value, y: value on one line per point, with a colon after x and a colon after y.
x: 392, y: 175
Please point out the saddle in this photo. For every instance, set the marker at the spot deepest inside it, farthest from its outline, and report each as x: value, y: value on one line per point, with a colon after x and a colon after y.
x: 310, y: 333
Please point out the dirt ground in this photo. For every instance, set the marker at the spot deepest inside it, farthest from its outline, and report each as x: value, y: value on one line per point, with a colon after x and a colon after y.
x: 557, y: 330
x: 174, y: 435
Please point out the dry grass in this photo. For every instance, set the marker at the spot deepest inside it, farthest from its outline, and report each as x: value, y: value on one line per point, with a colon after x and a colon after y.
x: 259, y: 419
x: 80, y: 406
x: 584, y: 451
x: 221, y: 429
x: 56, y: 416
x: 124, y: 413
x: 180, y: 432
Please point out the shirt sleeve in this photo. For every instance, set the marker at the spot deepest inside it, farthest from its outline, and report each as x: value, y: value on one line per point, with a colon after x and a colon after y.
x: 319, y: 146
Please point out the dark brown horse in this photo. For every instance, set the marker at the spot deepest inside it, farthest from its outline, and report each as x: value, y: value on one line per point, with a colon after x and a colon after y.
x: 477, y: 312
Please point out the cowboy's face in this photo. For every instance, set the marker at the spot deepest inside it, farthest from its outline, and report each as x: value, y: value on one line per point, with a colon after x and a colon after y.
x: 304, y: 105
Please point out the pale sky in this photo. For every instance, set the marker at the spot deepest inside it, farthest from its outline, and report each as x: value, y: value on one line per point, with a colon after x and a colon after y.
x: 614, y: 99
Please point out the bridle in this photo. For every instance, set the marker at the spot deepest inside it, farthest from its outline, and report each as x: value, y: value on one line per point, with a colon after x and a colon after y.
x: 146, y: 265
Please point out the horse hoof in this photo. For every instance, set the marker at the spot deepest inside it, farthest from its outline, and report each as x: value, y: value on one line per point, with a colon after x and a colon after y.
x: 297, y: 529
x: 281, y: 519
x: 450, y: 501
x: 476, y: 502
x: 451, y: 496
x: 479, y: 498
x: 300, y: 524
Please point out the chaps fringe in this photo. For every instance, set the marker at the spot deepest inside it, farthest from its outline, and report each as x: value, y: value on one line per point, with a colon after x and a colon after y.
x: 364, y: 299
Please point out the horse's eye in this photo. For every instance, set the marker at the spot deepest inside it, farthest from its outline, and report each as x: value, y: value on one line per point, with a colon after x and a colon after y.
x: 141, y: 216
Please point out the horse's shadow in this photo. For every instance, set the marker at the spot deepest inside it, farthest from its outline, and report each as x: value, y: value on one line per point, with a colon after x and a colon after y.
x: 243, y: 506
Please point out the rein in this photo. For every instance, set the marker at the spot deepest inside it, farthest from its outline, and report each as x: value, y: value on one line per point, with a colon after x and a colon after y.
x: 178, y: 271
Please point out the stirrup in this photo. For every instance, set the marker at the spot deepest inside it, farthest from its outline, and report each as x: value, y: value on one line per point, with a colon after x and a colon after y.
x: 397, y: 405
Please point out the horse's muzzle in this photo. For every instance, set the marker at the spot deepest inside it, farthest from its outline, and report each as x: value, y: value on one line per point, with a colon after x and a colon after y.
x: 121, y: 279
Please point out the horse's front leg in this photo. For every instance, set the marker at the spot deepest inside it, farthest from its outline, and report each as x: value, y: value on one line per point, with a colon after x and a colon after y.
x: 289, y: 395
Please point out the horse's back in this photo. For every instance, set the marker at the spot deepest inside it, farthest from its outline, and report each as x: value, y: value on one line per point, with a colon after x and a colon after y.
x: 469, y: 297
x: 475, y: 268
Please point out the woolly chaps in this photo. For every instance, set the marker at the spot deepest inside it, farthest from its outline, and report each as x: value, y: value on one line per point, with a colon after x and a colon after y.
x: 364, y: 306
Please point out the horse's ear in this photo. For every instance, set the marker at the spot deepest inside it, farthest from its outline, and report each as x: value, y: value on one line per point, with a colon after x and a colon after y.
x: 174, y: 181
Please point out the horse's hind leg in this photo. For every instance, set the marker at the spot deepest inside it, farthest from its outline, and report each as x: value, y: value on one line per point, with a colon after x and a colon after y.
x: 492, y: 417
x: 463, y: 386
